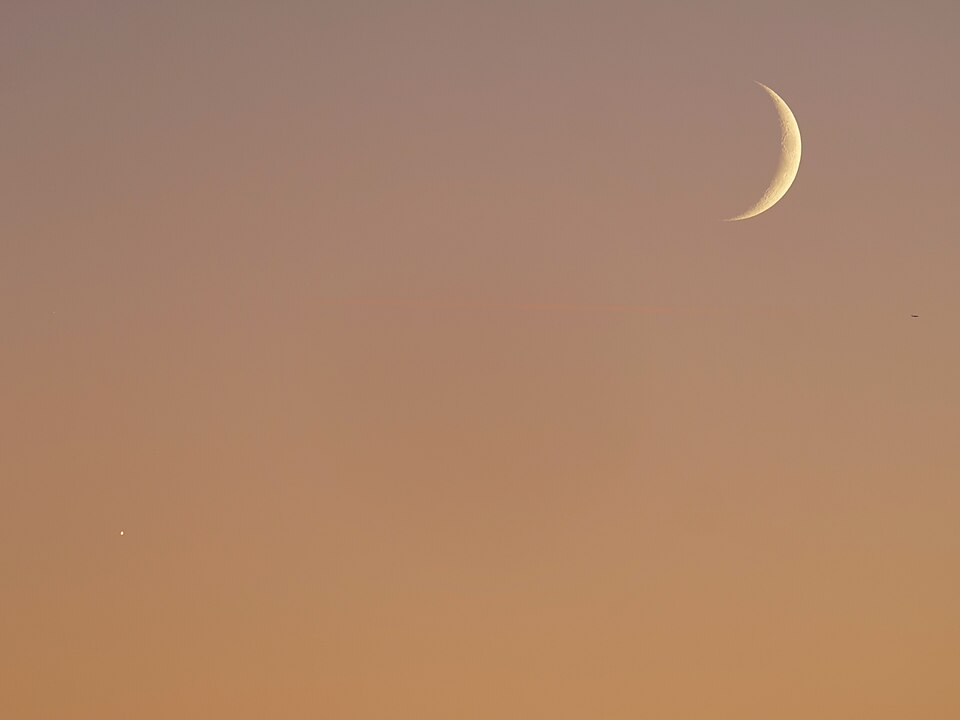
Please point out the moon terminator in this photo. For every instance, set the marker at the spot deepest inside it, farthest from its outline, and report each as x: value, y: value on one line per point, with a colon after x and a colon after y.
x: 787, y: 165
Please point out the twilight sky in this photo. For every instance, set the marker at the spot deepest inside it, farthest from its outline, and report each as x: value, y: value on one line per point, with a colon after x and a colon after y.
x: 406, y: 346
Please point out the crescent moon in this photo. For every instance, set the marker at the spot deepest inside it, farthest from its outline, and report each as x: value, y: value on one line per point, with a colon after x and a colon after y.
x: 788, y: 164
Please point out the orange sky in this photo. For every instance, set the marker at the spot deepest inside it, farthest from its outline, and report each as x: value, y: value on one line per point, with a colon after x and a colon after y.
x: 404, y: 343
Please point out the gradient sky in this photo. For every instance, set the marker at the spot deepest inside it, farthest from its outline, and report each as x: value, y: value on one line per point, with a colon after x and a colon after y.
x: 404, y: 343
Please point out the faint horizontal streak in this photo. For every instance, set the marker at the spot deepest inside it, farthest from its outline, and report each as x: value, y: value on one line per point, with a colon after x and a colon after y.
x: 445, y: 305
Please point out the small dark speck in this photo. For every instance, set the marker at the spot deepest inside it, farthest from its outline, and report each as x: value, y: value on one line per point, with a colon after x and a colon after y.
x: 914, y: 316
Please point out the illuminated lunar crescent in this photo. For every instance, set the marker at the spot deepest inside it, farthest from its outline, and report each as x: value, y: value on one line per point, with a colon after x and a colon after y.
x: 788, y: 164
